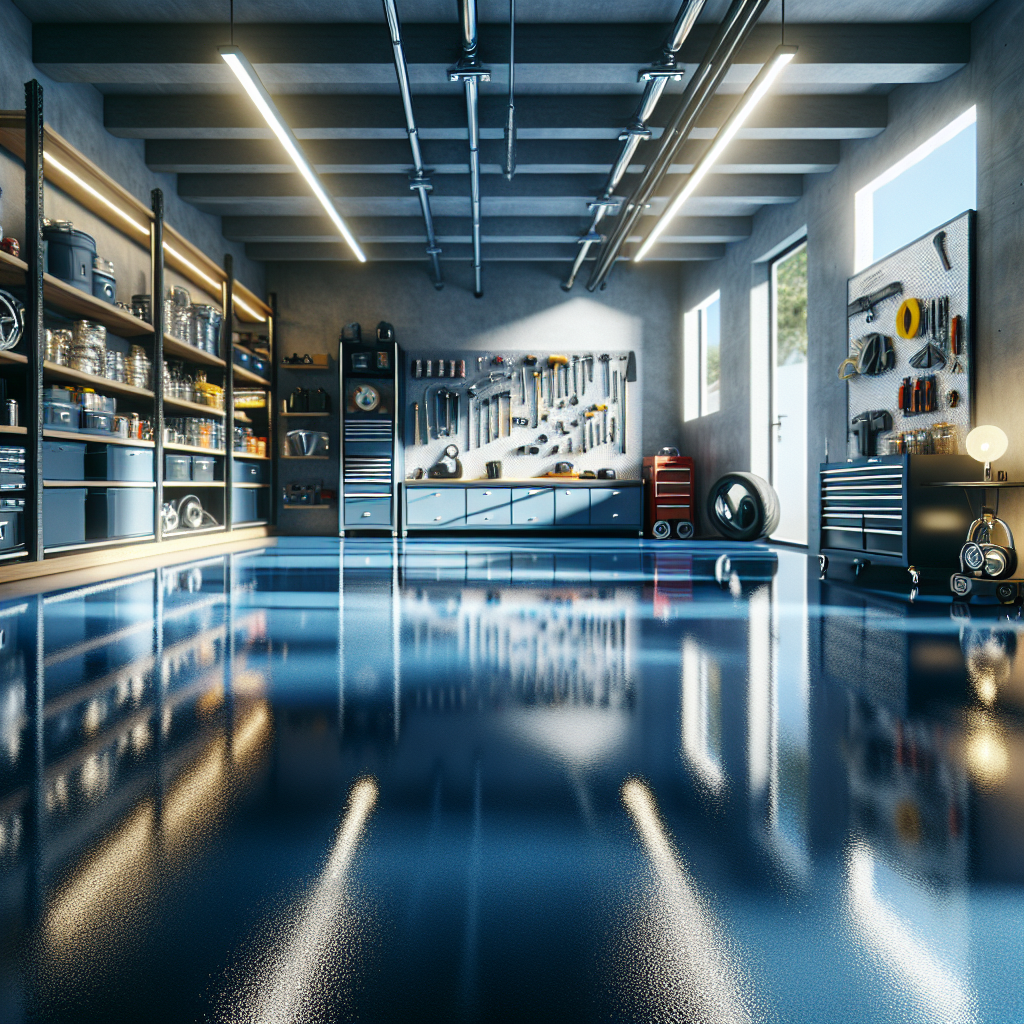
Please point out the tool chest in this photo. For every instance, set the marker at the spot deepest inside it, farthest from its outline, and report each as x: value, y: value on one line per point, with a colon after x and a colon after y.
x: 883, y: 510
x: 668, y: 496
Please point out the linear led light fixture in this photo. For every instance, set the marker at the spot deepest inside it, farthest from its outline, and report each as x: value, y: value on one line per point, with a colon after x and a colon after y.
x: 142, y: 229
x: 754, y: 94
x: 246, y: 74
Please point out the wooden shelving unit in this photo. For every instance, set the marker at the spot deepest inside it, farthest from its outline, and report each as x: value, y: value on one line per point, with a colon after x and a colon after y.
x: 24, y: 134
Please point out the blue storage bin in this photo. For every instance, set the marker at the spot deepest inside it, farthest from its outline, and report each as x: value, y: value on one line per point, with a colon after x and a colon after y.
x: 115, y: 462
x: 119, y: 512
x: 63, y: 460
x: 243, y: 504
x: 63, y: 516
x: 69, y: 256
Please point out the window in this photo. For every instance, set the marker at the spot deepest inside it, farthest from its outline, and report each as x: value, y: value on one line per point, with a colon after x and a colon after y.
x: 702, y: 359
x: 931, y: 185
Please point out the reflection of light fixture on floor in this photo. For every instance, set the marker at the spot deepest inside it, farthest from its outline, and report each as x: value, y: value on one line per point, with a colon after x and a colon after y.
x: 756, y: 91
x: 246, y: 74
x: 986, y: 444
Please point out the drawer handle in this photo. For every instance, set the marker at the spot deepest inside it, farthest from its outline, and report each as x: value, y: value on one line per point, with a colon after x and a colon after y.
x: 437, y: 494
x: 487, y: 519
x: 535, y: 492
x: 366, y: 515
x: 616, y: 492
x: 615, y: 515
x: 437, y: 519
x: 532, y: 519
x: 487, y: 494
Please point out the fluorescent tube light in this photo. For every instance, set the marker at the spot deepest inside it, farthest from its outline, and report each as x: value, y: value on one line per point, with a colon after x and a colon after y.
x: 246, y: 74
x: 754, y: 94
x: 81, y: 183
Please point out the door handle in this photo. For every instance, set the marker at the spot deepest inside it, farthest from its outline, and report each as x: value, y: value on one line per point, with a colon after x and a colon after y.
x: 366, y: 515
x: 778, y: 424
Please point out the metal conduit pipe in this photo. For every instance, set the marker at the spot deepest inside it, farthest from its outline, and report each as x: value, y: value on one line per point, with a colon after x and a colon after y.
x: 419, y: 181
x: 737, y: 25
x: 470, y: 72
x: 656, y: 76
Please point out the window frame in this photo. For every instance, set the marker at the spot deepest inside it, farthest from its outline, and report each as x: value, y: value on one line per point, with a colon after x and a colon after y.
x: 695, y: 357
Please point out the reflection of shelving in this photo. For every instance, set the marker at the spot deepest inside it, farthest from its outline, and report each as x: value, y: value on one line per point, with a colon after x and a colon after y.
x: 196, y: 408
x: 193, y: 533
x: 144, y: 484
x: 193, y: 483
x: 92, y: 544
x: 247, y: 375
x: 307, y: 458
x: 251, y: 487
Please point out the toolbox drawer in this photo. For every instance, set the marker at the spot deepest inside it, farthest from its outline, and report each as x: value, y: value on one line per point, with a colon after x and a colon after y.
x: 368, y: 512
x: 572, y: 506
x: 615, y: 507
x: 533, y: 506
x: 10, y: 529
x: 440, y: 508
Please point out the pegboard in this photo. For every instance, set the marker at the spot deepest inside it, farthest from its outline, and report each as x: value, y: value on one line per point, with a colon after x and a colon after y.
x: 918, y: 268
x: 474, y: 456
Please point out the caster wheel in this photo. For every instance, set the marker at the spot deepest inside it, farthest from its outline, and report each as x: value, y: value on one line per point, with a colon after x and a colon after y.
x: 684, y: 529
x: 1007, y: 593
x: 661, y: 530
x: 823, y: 566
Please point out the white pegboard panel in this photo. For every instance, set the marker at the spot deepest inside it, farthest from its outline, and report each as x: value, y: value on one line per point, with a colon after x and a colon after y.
x: 918, y: 268
x: 474, y: 458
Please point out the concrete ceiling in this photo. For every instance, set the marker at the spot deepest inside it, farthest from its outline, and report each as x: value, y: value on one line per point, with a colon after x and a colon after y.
x: 329, y: 63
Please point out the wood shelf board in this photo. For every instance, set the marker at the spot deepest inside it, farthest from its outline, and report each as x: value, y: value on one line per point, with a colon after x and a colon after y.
x: 193, y: 407
x: 12, y: 270
x: 248, y: 375
x: 138, y: 484
x: 305, y: 415
x: 170, y: 446
x: 219, y: 484
x: 87, y: 564
x: 84, y: 435
x: 307, y: 458
x: 305, y: 366
x: 304, y: 507
x: 13, y: 357
x: 78, y: 305
x: 96, y: 544
x: 13, y: 430
x: 252, y: 487
x: 246, y: 455
x: 57, y: 372
x: 178, y: 349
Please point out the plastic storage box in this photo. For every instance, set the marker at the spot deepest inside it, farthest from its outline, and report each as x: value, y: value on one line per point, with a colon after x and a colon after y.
x: 63, y: 460
x: 62, y: 415
x: 202, y: 468
x: 177, y: 467
x: 97, y: 421
x: 64, y: 516
x: 245, y: 472
x: 119, y: 512
x: 69, y: 256
x: 243, y: 504
x: 113, y: 462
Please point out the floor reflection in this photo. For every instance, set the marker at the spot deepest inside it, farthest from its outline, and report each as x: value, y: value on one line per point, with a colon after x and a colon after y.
x: 546, y: 781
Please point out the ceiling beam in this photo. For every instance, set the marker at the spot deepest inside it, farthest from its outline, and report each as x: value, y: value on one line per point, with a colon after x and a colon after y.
x: 533, y: 156
x: 305, y: 230
x: 565, y: 116
x: 563, y: 253
x: 158, y: 52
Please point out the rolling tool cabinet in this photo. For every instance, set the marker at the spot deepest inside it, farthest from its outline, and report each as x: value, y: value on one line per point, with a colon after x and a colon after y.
x: 668, y: 496
x: 883, y: 510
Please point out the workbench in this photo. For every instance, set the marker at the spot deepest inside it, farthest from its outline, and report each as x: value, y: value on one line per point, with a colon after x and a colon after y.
x: 577, y: 506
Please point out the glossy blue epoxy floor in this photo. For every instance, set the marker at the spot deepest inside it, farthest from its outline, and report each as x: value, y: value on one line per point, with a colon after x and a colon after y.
x: 508, y: 783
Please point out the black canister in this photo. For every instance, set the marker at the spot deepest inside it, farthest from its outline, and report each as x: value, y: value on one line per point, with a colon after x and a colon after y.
x: 69, y: 255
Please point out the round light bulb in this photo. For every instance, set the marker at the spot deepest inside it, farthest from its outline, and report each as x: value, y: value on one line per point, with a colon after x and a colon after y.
x: 986, y: 444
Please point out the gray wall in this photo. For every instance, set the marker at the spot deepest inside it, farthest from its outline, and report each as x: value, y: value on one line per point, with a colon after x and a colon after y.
x: 994, y: 80
x: 76, y: 112
x: 523, y: 307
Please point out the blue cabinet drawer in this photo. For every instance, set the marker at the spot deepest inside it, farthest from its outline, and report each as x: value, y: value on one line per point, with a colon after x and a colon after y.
x: 440, y: 508
x: 487, y: 506
x: 533, y: 506
x: 615, y: 507
x: 367, y: 511
x: 572, y: 506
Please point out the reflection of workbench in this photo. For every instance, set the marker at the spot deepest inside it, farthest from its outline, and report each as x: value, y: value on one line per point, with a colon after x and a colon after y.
x: 542, y: 504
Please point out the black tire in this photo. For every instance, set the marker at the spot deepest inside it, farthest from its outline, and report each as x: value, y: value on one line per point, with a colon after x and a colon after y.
x: 684, y: 529
x: 661, y: 530
x: 749, y: 516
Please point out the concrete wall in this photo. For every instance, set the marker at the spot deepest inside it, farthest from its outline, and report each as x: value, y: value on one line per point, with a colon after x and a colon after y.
x: 523, y: 307
x: 76, y: 112
x: 994, y: 81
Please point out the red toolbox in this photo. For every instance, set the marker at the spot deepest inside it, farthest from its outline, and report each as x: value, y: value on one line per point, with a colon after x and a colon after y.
x: 668, y: 497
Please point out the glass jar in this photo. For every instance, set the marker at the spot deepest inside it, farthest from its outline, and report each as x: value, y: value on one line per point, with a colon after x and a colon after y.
x: 88, y: 347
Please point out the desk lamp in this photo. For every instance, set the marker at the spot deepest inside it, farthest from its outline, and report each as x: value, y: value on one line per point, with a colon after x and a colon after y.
x: 986, y: 444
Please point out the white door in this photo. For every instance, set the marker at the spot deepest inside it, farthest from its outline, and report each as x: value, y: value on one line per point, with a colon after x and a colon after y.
x: 788, y: 424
